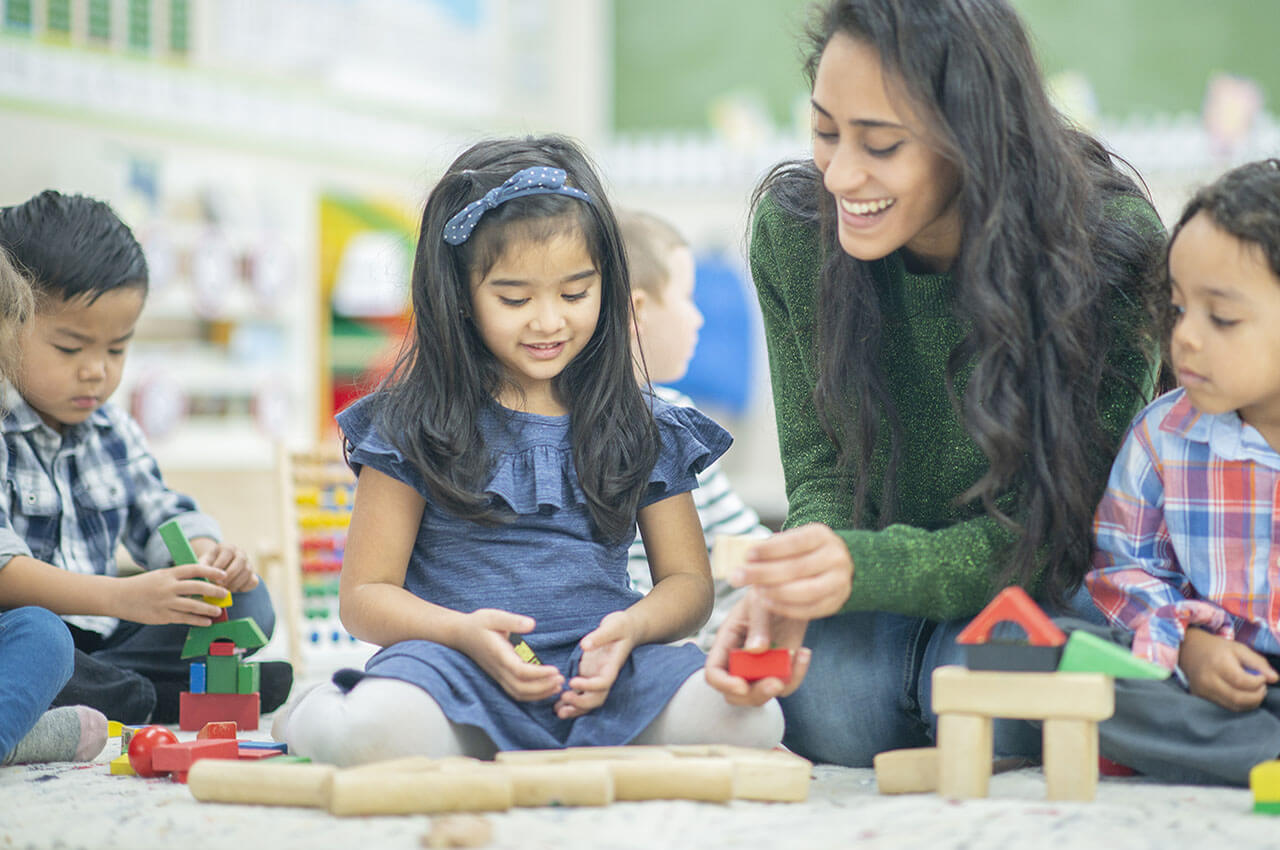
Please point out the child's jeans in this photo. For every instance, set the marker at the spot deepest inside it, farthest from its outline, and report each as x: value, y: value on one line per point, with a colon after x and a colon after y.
x: 35, y: 662
x: 135, y: 674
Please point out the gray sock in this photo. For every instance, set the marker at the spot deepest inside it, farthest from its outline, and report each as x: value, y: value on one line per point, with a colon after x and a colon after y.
x: 70, y: 733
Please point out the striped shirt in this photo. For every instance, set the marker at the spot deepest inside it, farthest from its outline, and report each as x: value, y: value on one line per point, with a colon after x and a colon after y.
x: 721, y: 511
x: 1188, y: 532
x: 72, y: 499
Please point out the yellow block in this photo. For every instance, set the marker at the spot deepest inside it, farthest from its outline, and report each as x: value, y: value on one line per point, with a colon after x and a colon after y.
x: 120, y: 766
x: 114, y: 728
x: 220, y: 601
x: 1264, y: 781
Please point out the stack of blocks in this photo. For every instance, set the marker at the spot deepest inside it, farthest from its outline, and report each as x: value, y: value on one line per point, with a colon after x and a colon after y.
x: 223, y: 687
x: 1067, y: 684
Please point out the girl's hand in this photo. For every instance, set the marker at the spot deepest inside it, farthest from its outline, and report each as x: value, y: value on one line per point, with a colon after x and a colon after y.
x: 1224, y: 671
x: 170, y: 595
x: 485, y: 642
x: 803, y: 573
x: 750, y: 625
x: 239, y: 576
x: 604, y: 651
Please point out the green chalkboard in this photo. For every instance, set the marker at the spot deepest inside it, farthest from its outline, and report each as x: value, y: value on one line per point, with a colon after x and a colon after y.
x: 674, y: 58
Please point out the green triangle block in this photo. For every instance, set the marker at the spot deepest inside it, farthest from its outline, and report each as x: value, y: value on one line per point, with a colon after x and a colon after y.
x: 244, y: 633
x: 1086, y: 653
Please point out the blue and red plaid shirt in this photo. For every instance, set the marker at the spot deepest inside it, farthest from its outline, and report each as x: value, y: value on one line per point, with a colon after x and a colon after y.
x: 71, y: 499
x: 1188, y: 532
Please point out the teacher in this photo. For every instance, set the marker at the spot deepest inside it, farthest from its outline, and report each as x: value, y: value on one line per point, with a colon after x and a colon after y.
x: 955, y: 295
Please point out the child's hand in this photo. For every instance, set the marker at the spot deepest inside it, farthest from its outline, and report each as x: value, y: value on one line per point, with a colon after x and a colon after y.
x: 604, y: 651
x: 1219, y: 670
x: 170, y: 595
x: 750, y: 625
x: 238, y: 575
x: 485, y: 642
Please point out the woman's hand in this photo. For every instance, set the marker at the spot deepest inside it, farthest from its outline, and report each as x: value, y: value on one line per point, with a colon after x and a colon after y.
x: 604, y: 651
x: 750, y: 625
x: 803, y: 573
x: 485, y: 642
x: 1224, y: 671
x: 170, y: 595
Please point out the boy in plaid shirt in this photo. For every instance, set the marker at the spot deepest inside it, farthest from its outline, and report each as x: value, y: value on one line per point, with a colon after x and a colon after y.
x: 1188, y: 533
x: 78, y: 479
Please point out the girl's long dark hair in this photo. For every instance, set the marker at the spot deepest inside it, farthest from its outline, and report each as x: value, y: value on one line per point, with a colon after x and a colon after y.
x: 1035, y: 278
x: 446, y: 376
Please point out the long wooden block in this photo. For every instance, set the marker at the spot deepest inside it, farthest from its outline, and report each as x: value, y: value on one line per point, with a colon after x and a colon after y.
x: 584, y: 754
x: 561, y: 784
x: 912, y: 771
x: 964, y: 755
x: 708, y: 780
x: 423, y: 792
x: 1070, y: 759
x: 184, y: 754
x: 1081, y: 696
x: 219, y: 781
x: 195, y: 710
x: 771, y: 777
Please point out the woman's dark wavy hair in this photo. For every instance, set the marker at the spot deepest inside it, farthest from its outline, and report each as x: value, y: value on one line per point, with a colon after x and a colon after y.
x: 446, y: 376
x: 1032, y: 278
x: 1245, y: 203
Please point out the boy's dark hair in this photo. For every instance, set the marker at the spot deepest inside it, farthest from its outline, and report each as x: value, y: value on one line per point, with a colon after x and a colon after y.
x: 446, y: 376
x: 1244, y: 202
x: 71, y: 246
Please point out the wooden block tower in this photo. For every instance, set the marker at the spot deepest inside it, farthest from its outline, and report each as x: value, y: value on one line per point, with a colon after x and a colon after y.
x: 224, y: 686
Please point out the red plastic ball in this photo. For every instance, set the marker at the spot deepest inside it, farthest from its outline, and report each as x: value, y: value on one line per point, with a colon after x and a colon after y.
x: 142, y: 743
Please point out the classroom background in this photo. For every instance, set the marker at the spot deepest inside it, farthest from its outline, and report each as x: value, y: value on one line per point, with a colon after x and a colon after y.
x: 273, y: 156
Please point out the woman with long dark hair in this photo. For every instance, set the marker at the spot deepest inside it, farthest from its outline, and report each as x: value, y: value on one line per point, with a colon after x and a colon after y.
x: 955, y: 296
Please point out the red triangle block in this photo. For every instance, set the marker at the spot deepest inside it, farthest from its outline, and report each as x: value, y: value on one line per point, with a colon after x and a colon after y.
x: 1013, y: 605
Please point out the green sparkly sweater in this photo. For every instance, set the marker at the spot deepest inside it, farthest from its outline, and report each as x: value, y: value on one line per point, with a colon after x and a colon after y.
x: 939, y: 558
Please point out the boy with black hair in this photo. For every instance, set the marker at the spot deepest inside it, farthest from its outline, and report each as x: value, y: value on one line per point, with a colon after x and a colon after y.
x: 79, y: 479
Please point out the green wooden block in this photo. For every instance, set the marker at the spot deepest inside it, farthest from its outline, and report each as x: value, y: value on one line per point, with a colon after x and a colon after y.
x: 1259, y: 808
x: 244, y: 633
x: 1086, y: 653
x: 286, y: 760
x: 177, y: 543
x: 222, y: 674
x: 247, y: 679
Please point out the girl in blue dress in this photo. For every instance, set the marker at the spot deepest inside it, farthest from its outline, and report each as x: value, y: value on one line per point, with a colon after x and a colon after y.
x: 502, y: 469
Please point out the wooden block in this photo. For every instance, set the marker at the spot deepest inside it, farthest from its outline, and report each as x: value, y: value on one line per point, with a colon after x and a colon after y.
x: 964, y: 754
x: 279, y: 746
x: 222, y: 648
x: 426, y: 792
x: 584, y: 754
x: 1086, y: 653
x: 754, y: 665
x: 266, y: 784
x: 728, y: 553
x: 1070, y: 759
x: 195, y: 710
x: 708, y: 780
x: 220, y: 601
x: 1083, y: 696
x: 248, y: 678
x: 120, y: 766
x: 197, y: 677
x: 1264, y: 781
x: 1012, y: 657
x: 180, y: 756
x: 247, y: 754
x: 771, y: 776
x: 563, y: 784
x: 114, y: 728
x: 912, y: 771
x: 177, y: 544
x: 221, y: 674
x: 1013, y: 605
x: 217, y: 729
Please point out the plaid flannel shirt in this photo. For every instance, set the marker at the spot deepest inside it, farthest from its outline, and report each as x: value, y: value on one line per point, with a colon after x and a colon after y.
x: 1188, y: 534
x: 71, y: 499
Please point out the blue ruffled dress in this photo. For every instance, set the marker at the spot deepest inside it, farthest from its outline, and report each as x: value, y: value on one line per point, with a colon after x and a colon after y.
x: 545, y: 564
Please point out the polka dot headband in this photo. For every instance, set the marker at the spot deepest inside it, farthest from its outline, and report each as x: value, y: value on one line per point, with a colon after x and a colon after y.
x: 540, y: 180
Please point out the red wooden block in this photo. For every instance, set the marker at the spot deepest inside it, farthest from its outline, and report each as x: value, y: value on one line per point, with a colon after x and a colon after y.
x: 179, y: 776
x: 221, y: 616
x: 753, y: 666
x: 1013, y: 605
x: 195, y: 710
x: 182, y: 755
x: 248, y: 754
x: 222, y: 647
x: 217, y: 729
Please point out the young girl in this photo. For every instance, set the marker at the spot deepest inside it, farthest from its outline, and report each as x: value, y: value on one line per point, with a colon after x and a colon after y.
x: 502, y: 469
x: 1187, y: 543
x: 36, y: 652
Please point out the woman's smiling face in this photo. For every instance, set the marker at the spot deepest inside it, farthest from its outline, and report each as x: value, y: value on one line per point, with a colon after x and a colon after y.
x: 891, y: 188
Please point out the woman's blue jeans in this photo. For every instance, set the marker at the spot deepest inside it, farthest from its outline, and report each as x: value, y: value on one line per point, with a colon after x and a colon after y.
x: 870, y: 688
